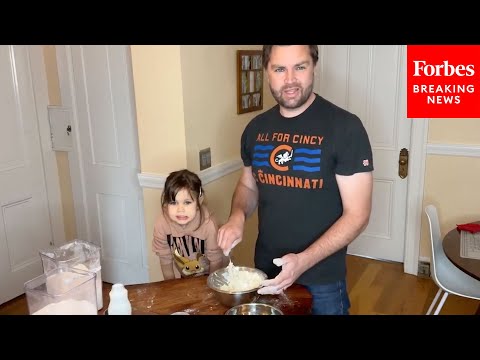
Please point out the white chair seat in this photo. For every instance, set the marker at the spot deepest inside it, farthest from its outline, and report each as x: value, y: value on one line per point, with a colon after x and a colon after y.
x: 449, y: 278
x: 455, y: 281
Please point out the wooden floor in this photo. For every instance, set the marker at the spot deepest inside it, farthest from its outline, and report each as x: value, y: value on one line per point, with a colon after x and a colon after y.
x: 375, y: 288
x: 382, y: 288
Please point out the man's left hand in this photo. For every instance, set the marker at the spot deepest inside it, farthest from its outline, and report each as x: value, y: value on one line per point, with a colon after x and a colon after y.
x: 291, y: 270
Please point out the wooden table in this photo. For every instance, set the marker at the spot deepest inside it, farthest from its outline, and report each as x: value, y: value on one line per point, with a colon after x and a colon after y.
x: 193, y: 296
x: 451, y: 246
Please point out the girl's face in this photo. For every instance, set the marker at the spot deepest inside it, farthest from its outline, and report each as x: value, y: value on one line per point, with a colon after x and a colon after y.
x: 183, y: 209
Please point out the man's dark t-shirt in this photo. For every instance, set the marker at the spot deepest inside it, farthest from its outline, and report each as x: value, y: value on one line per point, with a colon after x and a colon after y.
x: 294, y: 162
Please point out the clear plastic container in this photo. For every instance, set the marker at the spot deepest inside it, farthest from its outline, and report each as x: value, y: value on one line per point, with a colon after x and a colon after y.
x: 62, y: 291
x: 79, y: 254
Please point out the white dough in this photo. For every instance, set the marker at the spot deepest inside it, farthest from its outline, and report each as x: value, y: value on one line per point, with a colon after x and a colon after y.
x: 240, y: 280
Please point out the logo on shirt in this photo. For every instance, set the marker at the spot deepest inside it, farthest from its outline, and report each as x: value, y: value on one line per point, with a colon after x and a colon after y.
x: 295, y: 158
x: 281, y: 159
x: 366, y: 162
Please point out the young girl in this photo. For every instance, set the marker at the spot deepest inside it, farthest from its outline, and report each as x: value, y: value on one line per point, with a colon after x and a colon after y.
x: 185, y: 233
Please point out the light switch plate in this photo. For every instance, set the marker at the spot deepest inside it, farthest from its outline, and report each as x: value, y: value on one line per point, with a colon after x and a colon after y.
x: 205, y: 159
x: 60, y: 127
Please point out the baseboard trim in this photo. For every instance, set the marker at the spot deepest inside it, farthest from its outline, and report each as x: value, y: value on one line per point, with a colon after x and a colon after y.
x: 157, y: 181
x: 424, y: 259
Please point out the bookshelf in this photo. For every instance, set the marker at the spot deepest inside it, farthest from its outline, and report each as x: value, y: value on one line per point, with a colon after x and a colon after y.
x: 249, y: 81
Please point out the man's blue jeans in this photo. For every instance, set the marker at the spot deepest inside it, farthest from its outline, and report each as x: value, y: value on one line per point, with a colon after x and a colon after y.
x: 330, y: 299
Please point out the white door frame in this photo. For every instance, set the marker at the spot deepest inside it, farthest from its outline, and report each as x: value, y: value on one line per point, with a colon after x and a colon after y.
x: 416, y: 182
x: 40, y: 89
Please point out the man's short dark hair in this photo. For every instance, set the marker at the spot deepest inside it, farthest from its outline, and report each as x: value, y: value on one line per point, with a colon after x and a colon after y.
x: 267, y: 50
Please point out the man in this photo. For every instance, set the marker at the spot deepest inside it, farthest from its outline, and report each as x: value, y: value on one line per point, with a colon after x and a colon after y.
x: 308, y: 167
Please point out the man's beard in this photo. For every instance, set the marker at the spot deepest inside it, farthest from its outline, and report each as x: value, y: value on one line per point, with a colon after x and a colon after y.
x: 292, y: 103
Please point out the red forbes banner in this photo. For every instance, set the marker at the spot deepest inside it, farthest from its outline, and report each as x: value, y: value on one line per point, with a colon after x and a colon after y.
x: 442, y: 81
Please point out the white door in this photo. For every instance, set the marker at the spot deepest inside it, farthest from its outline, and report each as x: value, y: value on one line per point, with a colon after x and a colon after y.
x: 96, y: 81
x: 25, y: 223
x: 370, y: 81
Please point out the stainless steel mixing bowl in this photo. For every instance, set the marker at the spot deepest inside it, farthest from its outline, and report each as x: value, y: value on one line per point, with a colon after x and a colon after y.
x: 232, y: 298
x: 254, y: 309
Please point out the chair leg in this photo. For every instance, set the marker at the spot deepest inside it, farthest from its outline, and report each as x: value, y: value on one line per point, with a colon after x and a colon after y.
x: 432, y: 305
x: 439, y: 307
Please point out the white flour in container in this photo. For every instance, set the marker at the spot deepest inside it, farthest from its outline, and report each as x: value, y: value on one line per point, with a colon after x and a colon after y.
x: 63, y: 282
x: 73, y: 285
x: 68, y: 307
x: 98, y: 282
x: 79, y: 254
x: 240, y: 280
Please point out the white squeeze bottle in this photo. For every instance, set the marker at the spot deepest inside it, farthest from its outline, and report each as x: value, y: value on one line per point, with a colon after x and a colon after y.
x: 119, y: 303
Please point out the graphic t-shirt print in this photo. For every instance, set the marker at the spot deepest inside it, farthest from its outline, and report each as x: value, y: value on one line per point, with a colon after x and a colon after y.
x: 188, y: 254
x: 297, y: 156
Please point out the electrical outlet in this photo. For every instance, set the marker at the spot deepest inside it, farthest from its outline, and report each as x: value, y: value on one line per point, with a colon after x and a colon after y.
x: 423, y: 269
x: 205, y: 159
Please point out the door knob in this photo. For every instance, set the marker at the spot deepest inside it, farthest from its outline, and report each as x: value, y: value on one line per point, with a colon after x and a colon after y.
x: 403, y: 163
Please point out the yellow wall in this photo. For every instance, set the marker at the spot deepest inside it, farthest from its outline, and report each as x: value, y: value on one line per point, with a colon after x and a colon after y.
x: 454, y: 131
x: 54, y: 98
x: 157, y: 81
x: 451, y: 182
x: 209, y: 95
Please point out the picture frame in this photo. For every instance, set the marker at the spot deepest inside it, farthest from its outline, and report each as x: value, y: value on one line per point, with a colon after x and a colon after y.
x: 249, y: 81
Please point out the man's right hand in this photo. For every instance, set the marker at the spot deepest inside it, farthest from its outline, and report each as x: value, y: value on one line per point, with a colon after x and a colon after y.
x: 244, y: 202
x: 229, y: 235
